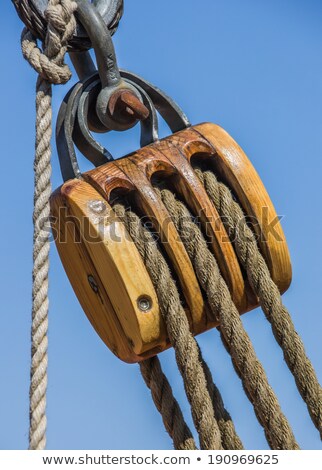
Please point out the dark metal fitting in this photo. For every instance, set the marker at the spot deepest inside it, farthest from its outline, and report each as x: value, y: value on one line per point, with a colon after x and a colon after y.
x: 32, y: 13
x: 75, y: 116
x: 124, y: 106
x: 120, y: 108
x: 108, y: 108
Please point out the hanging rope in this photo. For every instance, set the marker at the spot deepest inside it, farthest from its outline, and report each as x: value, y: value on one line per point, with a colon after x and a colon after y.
x: 50, y: 66
x: 269, y: 296
x: 229, y: 437
x: 277, y: 430
x: 167, y: 405
x: 185, y: 346
x: 212, y: 421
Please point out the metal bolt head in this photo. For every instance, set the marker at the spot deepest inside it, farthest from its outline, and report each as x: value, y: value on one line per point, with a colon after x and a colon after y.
x: 145, y: 303
x: 97, y: 206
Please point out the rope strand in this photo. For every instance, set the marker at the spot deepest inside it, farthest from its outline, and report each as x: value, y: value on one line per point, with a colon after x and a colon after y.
x: 250, y: 370
x: 185, y: 346
x: 212, y: 421
x: 51, y: 69
x: 229, y: 437
x: 269, y: 296
x: 167, y: 405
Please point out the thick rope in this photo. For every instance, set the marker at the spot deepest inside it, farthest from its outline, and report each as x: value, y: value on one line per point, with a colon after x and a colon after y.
x: 51, y: 69
x: 185, y: 346
x: 49, y: 63
x: 277, y: 430
x: 269, y: 296
x: 229, y: 437
x: 167, y: 405
x: 171, y: 413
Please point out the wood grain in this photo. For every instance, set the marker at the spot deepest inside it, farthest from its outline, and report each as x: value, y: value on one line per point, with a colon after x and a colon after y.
x: 106, y: 252
x: 188, y: 186
x: 234, y: 168
x: 137, y: 170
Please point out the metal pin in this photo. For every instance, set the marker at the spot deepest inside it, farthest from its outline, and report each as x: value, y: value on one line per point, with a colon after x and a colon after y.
x: 144, y: 303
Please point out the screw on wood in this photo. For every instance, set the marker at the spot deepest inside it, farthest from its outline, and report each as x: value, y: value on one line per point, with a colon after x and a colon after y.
x: 144, y: 304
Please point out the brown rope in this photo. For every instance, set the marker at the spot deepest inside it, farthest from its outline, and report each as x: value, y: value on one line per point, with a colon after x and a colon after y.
x: 269, y: 296
x: 185, y: 346
x: 249, y: 368
x: 167, y: 405
x: 229, y: 437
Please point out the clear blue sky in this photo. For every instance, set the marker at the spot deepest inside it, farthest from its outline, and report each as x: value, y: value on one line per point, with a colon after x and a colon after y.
x: 255, y: 68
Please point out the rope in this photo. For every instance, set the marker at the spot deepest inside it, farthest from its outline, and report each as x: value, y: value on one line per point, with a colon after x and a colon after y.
x: 171, y: 412
x: 49, y: 63
x: 277, y: 430
x: 167, y: 405
x: 51, y: 69
x: 229, y: 437
x: 212, y: 421
x: 185, y: 346
x: 269, y: 296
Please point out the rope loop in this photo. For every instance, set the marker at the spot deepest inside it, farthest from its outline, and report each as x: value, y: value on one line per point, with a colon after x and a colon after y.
x: 49, y: 62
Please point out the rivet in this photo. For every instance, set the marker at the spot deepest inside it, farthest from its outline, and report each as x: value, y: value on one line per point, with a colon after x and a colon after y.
x: 97, y: 206
x: 144, y: 303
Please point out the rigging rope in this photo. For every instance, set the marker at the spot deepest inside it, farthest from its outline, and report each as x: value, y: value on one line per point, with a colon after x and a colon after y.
x: 184, y: 344
x: 229, y: 437
x: 269, y: 296
x: 212, y: 421
x: 277, y: 429
x: 167, y: 405
x: 50, y: 66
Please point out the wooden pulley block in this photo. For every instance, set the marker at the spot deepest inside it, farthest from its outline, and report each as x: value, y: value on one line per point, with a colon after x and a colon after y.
x: 104, y: 265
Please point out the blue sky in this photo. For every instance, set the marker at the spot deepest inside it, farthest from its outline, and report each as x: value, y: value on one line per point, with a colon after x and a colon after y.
x: 255, y: 68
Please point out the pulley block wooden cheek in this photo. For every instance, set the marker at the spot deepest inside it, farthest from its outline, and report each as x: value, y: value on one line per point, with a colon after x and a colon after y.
x: 103, y: 264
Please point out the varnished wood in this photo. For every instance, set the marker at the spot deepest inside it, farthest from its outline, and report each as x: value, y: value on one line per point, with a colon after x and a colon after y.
x: 105, y: 252
x: 116, y: 266
x: 234, y: 168
x: 188, y: 186
x: 138, y: 169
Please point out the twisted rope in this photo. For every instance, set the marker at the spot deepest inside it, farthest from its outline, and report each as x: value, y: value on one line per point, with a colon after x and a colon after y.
x: 229, y: 437
x: 277, y: 430
x: 269, y: 296
x: 185, y: 346
x: 49, y: 63
x: 51, y: 69
x: 167, y: 405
